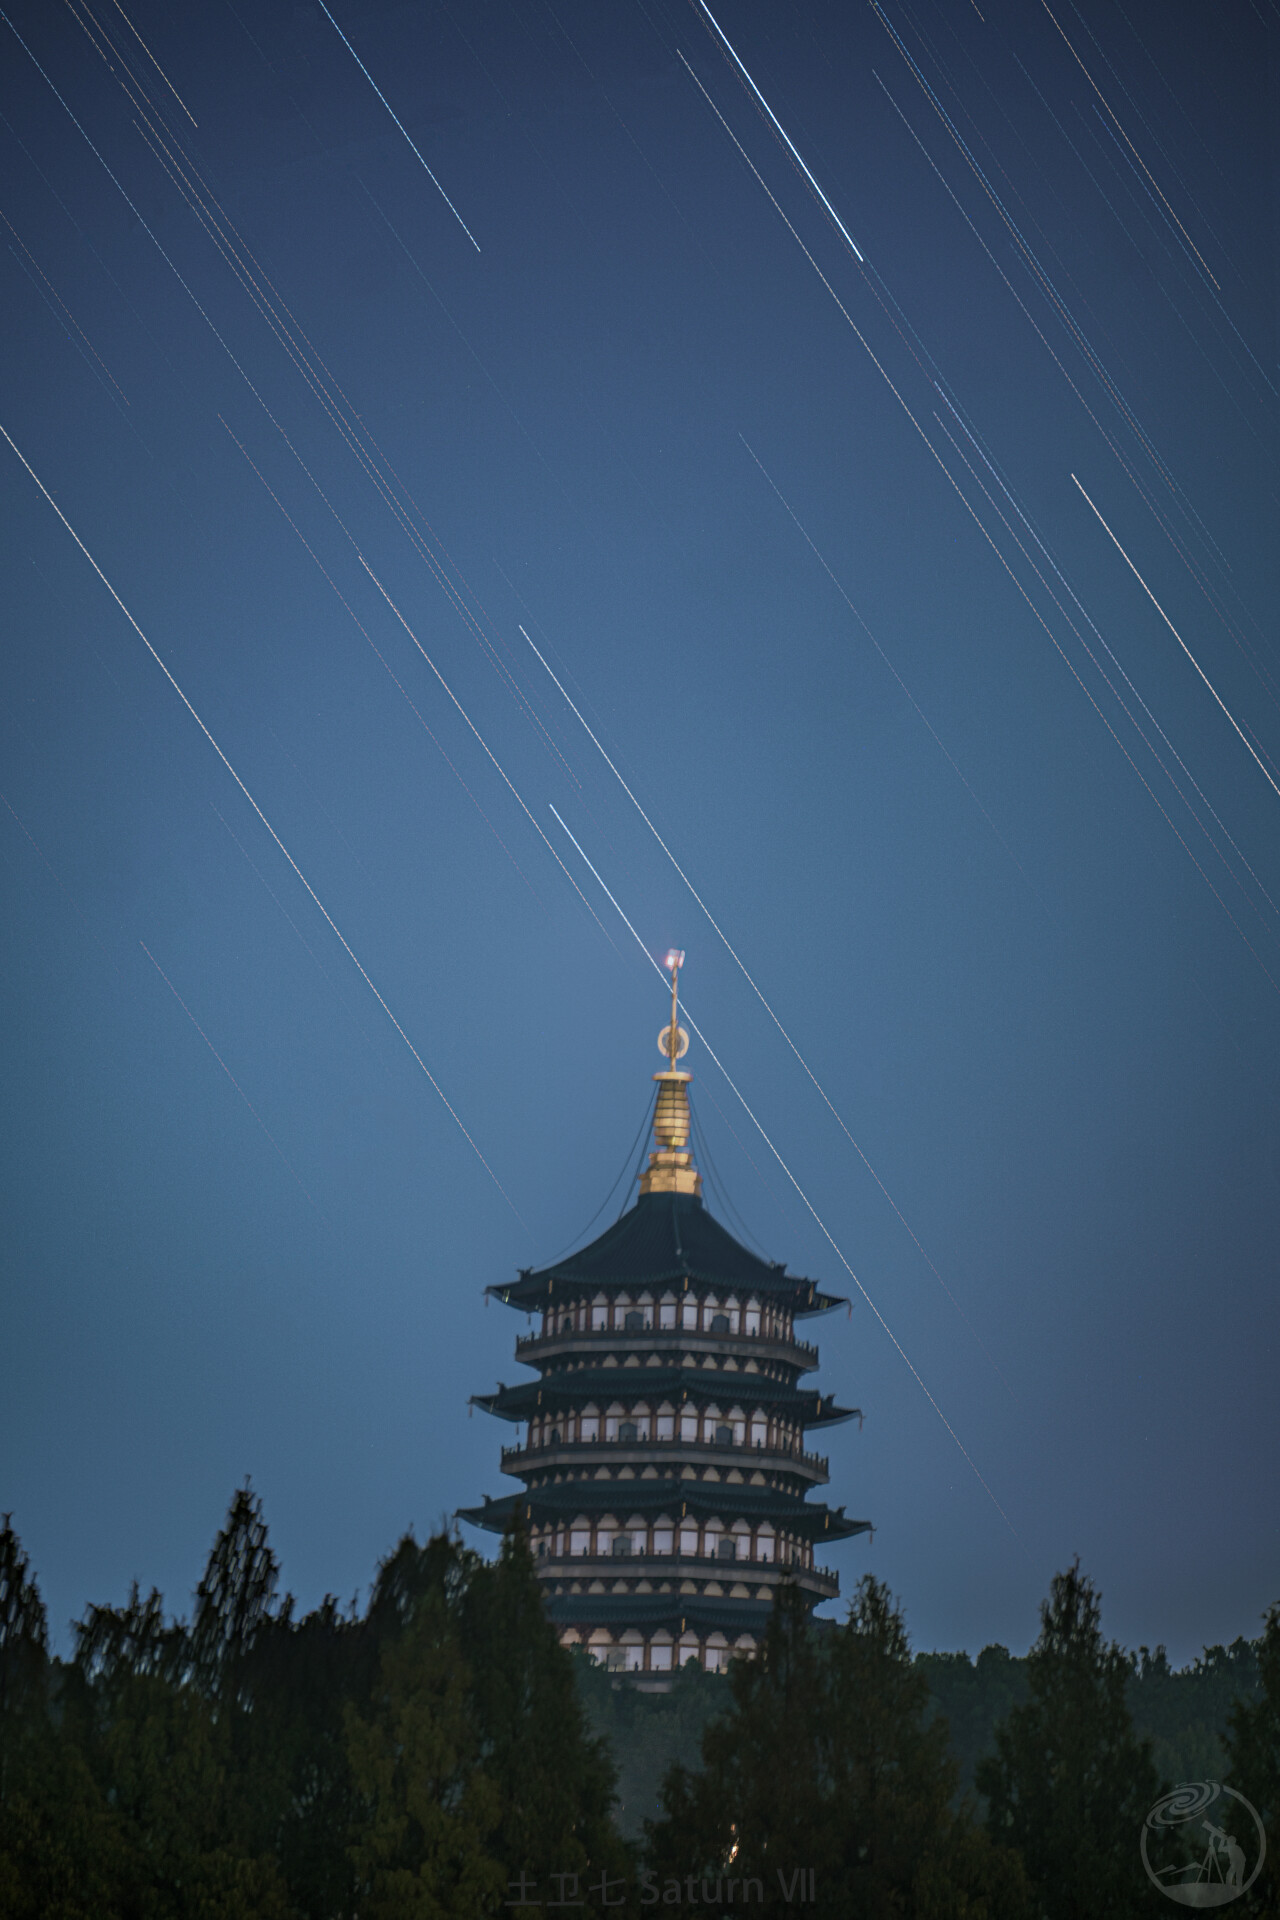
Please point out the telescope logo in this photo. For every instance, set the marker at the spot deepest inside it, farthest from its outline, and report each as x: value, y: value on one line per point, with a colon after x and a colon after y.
x: 1203, y: 1844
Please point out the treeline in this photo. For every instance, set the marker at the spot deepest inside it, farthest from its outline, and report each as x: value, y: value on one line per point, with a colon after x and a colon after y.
x: 255, y: 1765
x: 439, y: 1757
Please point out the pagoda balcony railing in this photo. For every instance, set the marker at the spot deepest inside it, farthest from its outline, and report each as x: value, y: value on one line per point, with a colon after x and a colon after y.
x: 774, y: 1346
x: 671, y: 1566
x: 642, y: 1453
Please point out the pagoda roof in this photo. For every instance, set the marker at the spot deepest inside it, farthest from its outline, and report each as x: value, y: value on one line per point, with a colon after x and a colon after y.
x: 698, y: 1613
x: 574, y: 1387
x: 666, y: 1239
x: 733, y: 1500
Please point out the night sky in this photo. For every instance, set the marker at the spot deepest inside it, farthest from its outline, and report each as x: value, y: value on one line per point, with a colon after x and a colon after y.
x: 798, y: 533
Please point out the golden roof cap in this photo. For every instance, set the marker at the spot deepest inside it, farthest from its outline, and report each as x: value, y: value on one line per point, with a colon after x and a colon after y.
x: 671, y: 1168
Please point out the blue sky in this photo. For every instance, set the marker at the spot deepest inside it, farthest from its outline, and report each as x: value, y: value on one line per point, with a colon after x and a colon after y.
x: 798, y: 533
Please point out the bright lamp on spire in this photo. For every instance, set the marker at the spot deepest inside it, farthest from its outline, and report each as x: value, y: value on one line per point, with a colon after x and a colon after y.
x: 674, y: 959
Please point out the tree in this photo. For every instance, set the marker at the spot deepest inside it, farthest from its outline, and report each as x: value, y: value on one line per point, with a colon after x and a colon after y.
x: 425, y: 1813
x: 24, y: 1651
x: 829, y: 1761
x: 1069, y: 1784
x: 555, y: 1783
x: 164, y: 1752
x: 1253, y: 1752
x: 235, y: 1598
x: 57, y: 1852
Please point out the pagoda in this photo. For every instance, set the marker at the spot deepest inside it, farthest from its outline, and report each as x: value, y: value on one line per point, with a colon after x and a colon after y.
x: 661, y: 1447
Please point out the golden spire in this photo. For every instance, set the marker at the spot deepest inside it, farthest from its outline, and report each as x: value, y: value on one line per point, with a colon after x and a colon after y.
x: 671, y: 1168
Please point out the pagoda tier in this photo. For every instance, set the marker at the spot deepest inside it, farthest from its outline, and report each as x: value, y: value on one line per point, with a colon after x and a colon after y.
x: 548, y: 1512
x: 663, y: 1455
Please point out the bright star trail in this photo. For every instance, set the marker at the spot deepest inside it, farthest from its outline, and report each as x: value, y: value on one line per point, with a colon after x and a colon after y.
x: 729, y: 503
x: 266, y: 823
x: 382, y: 96
x: 823, y: 1228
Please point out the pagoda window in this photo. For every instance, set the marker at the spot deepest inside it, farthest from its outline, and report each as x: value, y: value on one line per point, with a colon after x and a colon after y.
x: 688, y: 1426
x: 560, y: 1540
x: 724, y: 1433
x: 590, y: 1426
x: 659, y: 1659
x: 765, y: 1545
x: 633, y: 1320
x: 580, y: 1540
x: 689, y: 1315
x: 628, y: 1430
x: 620, y: 1546
x: 599, y: 1319
x: 759, y: 1430
x: 719, y: 1323
x: 687, y: 1649
x: 666, y: 1426
x: 555, y: 1436
x: 663, y: 1540
x: 689, y: 1540
x: 667, y: 1315
x: 727, y: 1548
x: 752, y: 1320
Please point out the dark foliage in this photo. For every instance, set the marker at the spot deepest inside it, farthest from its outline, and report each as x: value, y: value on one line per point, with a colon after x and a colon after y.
x: 413, y: 1761
x: 649, y: 1732
x: 253, y: 1766
x: 1070, y: 1784
x: 1253, y: 1746
x: 829, y: 1761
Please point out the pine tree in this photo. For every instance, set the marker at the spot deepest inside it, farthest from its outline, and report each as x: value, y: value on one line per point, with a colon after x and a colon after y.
x: 1069, y: 1784
x: 235, y: 1598
x: 1253, y: 1750
x: 163, y: 1751
x: 425, y: 1811
x: 24, y: 1651
x: 555, y: 1783
x: 829, y: 1761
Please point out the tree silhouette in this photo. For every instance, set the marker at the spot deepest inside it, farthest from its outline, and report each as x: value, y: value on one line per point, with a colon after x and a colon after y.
x: 829, y: 1760
x: 1253, y: 1749
x: 1069, y: 1784
x: 234, y: 1600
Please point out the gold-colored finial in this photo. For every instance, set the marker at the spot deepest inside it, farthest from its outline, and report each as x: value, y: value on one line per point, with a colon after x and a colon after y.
x: 671, y: 1168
